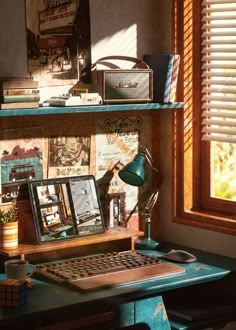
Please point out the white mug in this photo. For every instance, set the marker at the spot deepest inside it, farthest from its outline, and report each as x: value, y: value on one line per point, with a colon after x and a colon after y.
x: 18, y: 269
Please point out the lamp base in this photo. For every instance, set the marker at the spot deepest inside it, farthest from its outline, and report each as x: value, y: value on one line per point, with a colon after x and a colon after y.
x: 145, y: 244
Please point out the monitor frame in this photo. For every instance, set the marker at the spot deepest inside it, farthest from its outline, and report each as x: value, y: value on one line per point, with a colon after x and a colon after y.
x: 65, y: 208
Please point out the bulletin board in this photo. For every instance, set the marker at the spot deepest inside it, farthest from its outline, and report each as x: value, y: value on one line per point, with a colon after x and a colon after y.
x: 99, y: 144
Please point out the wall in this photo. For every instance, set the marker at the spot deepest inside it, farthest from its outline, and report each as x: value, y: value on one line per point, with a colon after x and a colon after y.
x: 12, y: 38
x: 114, y: 29
x: 125, y: 132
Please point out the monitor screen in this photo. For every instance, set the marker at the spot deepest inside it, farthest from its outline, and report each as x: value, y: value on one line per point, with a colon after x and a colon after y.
x: 66, y: 207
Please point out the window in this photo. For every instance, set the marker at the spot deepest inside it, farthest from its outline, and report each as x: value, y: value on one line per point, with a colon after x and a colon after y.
x: 205, y: 131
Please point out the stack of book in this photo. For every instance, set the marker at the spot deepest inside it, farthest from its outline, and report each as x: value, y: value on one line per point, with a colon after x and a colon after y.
x: 18, y: 93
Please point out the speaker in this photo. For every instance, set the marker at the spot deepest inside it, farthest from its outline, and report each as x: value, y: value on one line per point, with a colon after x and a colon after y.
x: 125, y: 86
x: 118, y: 85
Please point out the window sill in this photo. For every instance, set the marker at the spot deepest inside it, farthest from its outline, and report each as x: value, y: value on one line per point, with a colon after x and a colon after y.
x: 207, y: 220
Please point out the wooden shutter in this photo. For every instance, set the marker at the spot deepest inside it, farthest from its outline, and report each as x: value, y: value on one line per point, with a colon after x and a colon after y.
x: 219, y: 70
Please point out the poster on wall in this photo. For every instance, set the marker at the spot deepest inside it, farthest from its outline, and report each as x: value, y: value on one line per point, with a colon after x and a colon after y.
x: 68, y: 156
x: 21, y: 159
x: 58, y: 41
x: 117, y: 142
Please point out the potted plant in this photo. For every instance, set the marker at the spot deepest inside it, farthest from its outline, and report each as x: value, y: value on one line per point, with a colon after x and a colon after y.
x: 9, y: 227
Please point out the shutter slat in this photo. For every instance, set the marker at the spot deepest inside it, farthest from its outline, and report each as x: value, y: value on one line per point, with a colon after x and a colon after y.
x: 222, y: 25
x: 218, y: 9
x: 219, y: 58
x: 219, y: 66
x: 213, y: 2
x: 219, y: 98
x: 223, y: 33
x: 215, y: 82
x: 219, y: 123
x: 218, y: 138
x: 222, y: 43
x: 218, y: 19
x: 219, y: 131
x: 215, y: 74
x: 220, y: 50
x: 219, y: 114
x: 219, y: 90
x: 219, y: 106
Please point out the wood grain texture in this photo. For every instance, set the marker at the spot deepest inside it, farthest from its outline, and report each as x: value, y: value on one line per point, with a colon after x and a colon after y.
x: 110, y: 235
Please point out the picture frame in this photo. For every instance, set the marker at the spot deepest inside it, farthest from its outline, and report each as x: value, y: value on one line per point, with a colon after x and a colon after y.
x: 58, y: 41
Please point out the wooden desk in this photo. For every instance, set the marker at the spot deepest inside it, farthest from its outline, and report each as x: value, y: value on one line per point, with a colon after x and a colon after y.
x: 59, y: 307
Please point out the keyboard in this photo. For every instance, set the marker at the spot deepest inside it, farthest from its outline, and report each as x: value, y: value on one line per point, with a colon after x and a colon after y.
x: 107, y: 270
x: 87, y: 216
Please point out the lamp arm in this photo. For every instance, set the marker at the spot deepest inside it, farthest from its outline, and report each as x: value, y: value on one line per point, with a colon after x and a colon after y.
x: 151, y: 203
x: 154, y: 196
x: 145, y: 152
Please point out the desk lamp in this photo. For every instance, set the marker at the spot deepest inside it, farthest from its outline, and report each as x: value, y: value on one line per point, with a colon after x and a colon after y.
x: 134, y: 174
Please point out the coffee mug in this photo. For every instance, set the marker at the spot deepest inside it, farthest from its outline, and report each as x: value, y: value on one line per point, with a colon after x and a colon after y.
x: 18, y: 269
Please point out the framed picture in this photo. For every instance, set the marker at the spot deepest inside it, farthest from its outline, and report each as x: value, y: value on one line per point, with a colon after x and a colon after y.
x: 22, y: 155
x: 69, y: 155
x: 58, y: 41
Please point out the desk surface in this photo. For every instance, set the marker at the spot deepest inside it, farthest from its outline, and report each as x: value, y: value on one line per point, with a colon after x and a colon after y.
x: 45, y: 297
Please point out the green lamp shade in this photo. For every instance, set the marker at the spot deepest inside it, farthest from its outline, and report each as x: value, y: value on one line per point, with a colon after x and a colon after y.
x: 133, y: 173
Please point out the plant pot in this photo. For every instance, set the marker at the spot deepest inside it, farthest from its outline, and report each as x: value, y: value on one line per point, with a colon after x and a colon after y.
x: 9, y: 235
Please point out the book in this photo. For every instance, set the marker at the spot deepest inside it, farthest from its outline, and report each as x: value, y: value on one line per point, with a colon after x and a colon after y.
x: 20, y: 98
x: 165, y: 76
x: 17, y: 78
x: 19, y: 105
x: 171, y: 81
x: 18, y: 83
x: 19, y: 91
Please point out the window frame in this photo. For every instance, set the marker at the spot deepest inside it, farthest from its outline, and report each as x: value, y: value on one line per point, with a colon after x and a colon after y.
x: 191, y: 202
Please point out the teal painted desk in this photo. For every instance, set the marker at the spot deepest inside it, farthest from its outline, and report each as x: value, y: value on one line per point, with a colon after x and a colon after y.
x: 125, y: 305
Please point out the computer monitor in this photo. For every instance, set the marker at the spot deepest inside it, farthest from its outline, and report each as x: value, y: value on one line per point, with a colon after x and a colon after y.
x: 66, y: 207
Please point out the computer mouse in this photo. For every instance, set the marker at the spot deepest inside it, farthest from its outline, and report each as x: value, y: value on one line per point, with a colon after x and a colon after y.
x: 179, y: 256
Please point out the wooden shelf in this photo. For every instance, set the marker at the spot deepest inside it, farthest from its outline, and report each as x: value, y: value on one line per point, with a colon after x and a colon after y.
x: 88, y: 109
x: 113, y: 234
x: 110, y: 235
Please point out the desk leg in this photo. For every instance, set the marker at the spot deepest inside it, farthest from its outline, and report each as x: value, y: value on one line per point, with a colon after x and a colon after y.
x: 150, y: 312
x: 124, y: 315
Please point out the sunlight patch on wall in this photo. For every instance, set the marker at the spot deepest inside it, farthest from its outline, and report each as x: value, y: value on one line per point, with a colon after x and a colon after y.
x: 123, y: 42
